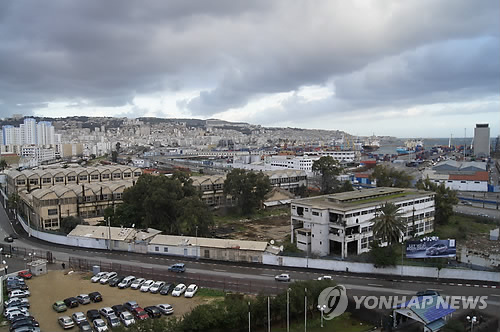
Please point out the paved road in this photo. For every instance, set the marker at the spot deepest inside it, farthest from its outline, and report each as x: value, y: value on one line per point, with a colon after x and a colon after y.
x: 356, y: 284
x: 477, y: 211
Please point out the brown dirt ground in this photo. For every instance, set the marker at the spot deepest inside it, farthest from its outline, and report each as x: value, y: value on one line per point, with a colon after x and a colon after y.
x: 56, y: 285
x: 265, y: 229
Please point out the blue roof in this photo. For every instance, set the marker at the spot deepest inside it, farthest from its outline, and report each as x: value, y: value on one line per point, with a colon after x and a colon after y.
x: 436, y: 325
x: 428, y: 308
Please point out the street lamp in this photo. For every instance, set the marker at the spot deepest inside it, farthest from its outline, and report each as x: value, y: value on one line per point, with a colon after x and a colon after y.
x: 322, y: 309
x: 288, y: 309
x: 249, y: 317
x: 472, y: 320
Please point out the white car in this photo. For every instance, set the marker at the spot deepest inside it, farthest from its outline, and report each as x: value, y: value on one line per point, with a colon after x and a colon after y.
x: 16, y: 312
x: 78, y: 317
x: 165, y: 308
x: 104, y: 280
x: 155, y: 288
x: 178, y: 290
x: 137, y: 283
x: 146, y: 285
x: 191, y: 290
x: 66, y: 322
x: 100, y: 326
x: 19, y: 293
x: 98, y: 276
x: 127, y: 318
x: 16, y: 299
x: 106, y: 312
x: 8, y: 311
x: 126, y: 282
x: 282, y: 277
x: 325, y: 278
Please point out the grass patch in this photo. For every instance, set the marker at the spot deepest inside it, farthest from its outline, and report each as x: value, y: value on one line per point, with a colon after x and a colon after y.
x: 459, y: 226
x: 344, y: 323
x: 210, y: 292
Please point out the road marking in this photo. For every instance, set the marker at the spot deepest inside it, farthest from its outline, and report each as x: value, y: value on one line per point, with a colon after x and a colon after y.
x: 220, y: 270
x: 376, y: 285
x: 498, y: 295
x: 436, y: 289
x: 267, y: 275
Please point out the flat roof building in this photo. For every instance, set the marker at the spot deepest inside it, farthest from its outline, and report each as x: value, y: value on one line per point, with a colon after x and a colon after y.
x: 342, y: 224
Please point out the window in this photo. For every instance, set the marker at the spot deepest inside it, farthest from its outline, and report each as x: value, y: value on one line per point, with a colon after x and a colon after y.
x: 127, y: 175
x: 137, y: 174
x: 314, y: 213
x: 52, y: 212
x: 21, y: 182
x: 94, y: 177
x: 117, y: 176
x: 463, y: 181
x: 34, y: 181
x: 118, y: 195
x: 71, y: 178
x: 165, y: 249
x: 105, y: 176
x: 82, y: 178
x: 157, y: 248
x: 46, y: 180
x: 59, y: 179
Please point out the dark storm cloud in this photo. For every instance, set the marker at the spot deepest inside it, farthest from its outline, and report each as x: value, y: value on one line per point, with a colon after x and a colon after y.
x: 104, y: 53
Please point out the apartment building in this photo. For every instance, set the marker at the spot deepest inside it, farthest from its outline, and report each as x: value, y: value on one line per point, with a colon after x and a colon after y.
x: 342, y: 224
x: 303, y: 163
x: 482, y: 140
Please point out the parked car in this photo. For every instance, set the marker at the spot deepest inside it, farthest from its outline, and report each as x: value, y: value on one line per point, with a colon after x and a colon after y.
x: 282, y: 277
x: 19, y: 293
x: 18, y: 303
x: 155, y: 288
x: 179, y: 267
x: 191, y: 290
x: 126, y: 282
x: 118, y: 308
x: 78, y: 317
x: 12, y: 315
x: 166, y: 289
x: 178, y: 290
x: 71, y: 302
x: 130, y: 305
x: 113, y: 321
x: 16, y: 284
x: 106, y: 311
x: 137, y: 283
x: 146, y: 285
x: 16, y: 299
x: 30, y: 318
x: 83, y: 299
x: 25, y: 321
x: 95, y: 297
x: 104, y: 280
x: 59, y: 306
x: 66, y: 322
x: 115, y: 281
x: 466, y: 203
x: 85, y: 327
x: 100, y: 326
x: 27, y: 329
x: 25, y: 274
x: 8, y: 239
x: 165, y: 308
x: 153, y: 311
x: 10, y: 310
x: 98, y: 276
x: 93, y: 314
x: 436, y: 249
x: 127, y: 318
x: 140, y: 314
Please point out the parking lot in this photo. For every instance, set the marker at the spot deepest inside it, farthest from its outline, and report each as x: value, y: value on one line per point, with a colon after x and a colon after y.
x: 56, y: 285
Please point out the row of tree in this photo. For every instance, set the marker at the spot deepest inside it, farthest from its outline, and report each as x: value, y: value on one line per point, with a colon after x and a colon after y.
x: 231, y: 314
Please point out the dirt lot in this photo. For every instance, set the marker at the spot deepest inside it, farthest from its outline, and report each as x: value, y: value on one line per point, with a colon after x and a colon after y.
x: 265, y: 229
x: 56, y: 285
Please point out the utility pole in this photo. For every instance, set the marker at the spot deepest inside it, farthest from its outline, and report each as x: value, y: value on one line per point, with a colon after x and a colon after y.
x: 288, y: 309
x: 305, y: 309
x: 268, y: 314
x: 249, y: 330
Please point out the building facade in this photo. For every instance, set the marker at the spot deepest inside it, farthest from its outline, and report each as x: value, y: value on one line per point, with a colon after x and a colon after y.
x: 482, y: 140
x: 342, y: 224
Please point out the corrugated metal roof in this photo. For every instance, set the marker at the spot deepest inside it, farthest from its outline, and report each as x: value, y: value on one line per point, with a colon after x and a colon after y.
x: 102, y: 232
x: 478, y: 176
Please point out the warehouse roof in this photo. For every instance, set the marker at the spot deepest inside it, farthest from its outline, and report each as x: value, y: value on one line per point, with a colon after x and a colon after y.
x: 174, y: 240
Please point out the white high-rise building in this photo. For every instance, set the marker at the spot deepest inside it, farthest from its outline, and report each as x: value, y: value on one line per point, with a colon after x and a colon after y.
x: 45, y: 133
x: 29, y: 131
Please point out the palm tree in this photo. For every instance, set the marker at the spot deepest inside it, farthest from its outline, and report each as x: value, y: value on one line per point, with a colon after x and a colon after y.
x: 389, y: 225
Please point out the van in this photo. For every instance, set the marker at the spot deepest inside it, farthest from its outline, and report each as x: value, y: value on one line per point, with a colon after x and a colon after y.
x: 179, y: 267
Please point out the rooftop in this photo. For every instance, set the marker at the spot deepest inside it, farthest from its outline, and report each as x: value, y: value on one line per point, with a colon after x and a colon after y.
x: 365, y: 198
x: 102, y: 232
x: 175, y: 240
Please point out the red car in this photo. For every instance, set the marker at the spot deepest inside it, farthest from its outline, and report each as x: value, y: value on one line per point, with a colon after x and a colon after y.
x: 25, y: 274
x: 140, y: 313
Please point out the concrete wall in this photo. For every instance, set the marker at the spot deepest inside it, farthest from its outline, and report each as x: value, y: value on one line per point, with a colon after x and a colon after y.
x: 410, y: 271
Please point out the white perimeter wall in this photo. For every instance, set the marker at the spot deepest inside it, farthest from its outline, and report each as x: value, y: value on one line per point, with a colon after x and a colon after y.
x: 408, y: 271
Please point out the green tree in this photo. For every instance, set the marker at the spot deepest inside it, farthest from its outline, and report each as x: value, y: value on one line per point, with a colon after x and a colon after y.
x: 388, y: 225
x: 328, y: 169
x: 390, y: 177
x: 69, y: 223
x: 346, y: 186
x: 383, y: 256
x: 14, y: 202
x: 3, y: 164
x: 114, y: 156
x: 118, y: 147
x: 248, y: 188
x: 171, y: 204
x: 445, y: 198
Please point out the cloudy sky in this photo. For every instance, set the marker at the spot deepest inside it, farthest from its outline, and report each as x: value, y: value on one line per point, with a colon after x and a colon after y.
x: 413, y: 68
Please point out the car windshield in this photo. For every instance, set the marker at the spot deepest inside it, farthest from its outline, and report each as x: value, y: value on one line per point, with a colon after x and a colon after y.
x: 178, y: 288
x: 127, y: 316
x: 99, y: 324
x: 190, y: 289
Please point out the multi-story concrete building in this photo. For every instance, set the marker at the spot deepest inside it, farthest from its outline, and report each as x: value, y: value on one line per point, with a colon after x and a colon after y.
x: 342, y: 224
x: 482, y: 140
x: 49, y: 195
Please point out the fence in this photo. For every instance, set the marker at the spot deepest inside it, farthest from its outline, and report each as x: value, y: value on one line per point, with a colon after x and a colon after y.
x: 223, y: 283
x: 27, y: 254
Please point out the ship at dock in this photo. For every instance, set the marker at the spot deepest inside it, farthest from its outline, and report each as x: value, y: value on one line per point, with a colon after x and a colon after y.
x: 411, y: 146
x: 370, y: 145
